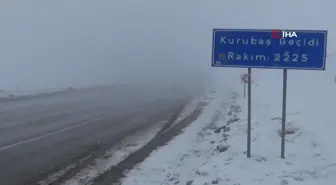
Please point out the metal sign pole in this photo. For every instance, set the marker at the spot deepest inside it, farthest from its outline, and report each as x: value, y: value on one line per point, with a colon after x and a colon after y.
x: 249, y: 113
x: 284, y: 98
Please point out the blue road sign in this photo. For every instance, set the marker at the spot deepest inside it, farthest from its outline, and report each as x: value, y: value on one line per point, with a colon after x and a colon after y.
x: 274, y: 49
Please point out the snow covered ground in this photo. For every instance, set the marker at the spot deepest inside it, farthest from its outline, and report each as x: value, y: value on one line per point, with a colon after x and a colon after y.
x: 212, y: 150
x: 187, y: 111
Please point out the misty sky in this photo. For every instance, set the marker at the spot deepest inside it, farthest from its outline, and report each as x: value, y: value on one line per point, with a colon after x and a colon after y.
x: 60, y: 43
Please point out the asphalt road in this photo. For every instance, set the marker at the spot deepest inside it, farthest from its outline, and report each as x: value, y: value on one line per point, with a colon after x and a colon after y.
x: 42, y: 134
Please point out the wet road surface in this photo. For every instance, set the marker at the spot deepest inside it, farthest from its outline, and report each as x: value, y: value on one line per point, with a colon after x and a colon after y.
x: 41, y: 135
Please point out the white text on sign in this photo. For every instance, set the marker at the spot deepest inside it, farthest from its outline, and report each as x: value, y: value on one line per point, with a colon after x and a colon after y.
x: 277, y: 34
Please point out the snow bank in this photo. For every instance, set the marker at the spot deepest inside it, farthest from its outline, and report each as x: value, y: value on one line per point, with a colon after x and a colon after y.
x: 213, y: 149
x: 187, y: 110
x: 174, y: 162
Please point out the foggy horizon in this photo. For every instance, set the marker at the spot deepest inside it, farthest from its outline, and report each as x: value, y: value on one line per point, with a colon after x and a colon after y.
x: 57, y: 44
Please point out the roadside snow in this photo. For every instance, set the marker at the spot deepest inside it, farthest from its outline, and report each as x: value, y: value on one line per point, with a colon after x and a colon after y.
x: 115, y: 155
x: 123, y: 150
x: 213, y: 149
x: 187, y: 111
x: 175, y: 162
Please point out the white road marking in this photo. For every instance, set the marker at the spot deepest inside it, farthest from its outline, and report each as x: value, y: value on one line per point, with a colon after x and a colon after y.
x: 44, y: 135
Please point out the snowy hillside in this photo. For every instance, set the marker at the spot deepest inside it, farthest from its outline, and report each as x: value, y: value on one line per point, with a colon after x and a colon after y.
x: 213, y: 149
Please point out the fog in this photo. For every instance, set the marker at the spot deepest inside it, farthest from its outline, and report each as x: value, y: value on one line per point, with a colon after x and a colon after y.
x: 54, y: 44
x: 51, y: 44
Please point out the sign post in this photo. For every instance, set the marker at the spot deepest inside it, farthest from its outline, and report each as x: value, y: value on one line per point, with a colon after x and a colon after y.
x: 269, y: 49
x: 249, y: 86
x: 283, y: 120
